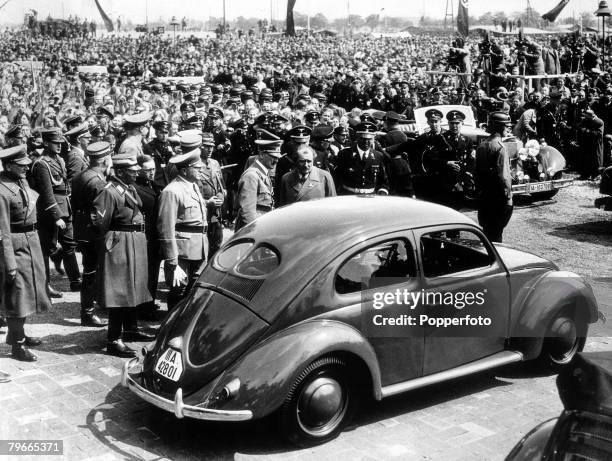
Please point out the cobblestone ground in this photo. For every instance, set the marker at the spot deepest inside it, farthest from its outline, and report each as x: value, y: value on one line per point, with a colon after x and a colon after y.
x: 73, y: 394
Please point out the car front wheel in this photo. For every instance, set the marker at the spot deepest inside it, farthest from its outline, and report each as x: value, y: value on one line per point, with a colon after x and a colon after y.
x: 319, y: 404
x: 566, y: 337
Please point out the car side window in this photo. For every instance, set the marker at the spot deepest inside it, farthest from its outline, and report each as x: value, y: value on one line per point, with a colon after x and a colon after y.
x: 451, y: 251
x: 376, y: 266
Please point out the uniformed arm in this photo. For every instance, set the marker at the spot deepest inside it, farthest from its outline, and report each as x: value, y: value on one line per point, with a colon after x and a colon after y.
x: 42, y: 180
x: 382, y: 183
x: 503, y: 172
x: 9, y: 263
x: 102, y: 211
x: 330, y: 188
x: 247, y: 196
x: 166, y: 223
x: 406, y: 146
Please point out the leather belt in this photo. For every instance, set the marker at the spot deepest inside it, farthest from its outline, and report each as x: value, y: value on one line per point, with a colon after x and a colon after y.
x: 129, y: 228
x: 192, y: 229
x: 20, y: 229
x: 263, y: 208
x: 359, y: 191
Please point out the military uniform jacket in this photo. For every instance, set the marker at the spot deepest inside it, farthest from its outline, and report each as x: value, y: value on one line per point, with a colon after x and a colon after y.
x: 75, y: 162
x: 211, y: 185
x: 181, y: 204
x: 131, y: 144
x: 161, y: 153
x: 365, y: 175
x: 318, y: 184
x: 21, y: 251
x: 254, y: 194
x: 493, y: 178
x: 50, y: 180
x: 122, y: 273
x: 459, y: 147
x: 85, y: 188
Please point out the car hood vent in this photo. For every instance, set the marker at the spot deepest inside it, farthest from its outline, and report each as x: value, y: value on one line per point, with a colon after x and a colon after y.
x: 242, y: 287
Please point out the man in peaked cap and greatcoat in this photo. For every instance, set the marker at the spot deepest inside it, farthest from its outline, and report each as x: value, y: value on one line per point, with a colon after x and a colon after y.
x: 360, y: 169
x: 86, y: 186
x: 161, y: 152
x: 50, y: 180
x: 23, y: 271
x: 136, y: 129
x: 78, y: 138
x: 255, y: 194
x: 298, y: 136
x: 493, y: 178
x: 122, y: 256
x: 182, y: 222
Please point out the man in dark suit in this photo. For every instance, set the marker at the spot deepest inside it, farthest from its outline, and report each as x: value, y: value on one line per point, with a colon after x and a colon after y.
x: 148, y: 192
x: 305, y: 181
x: 552, y: 65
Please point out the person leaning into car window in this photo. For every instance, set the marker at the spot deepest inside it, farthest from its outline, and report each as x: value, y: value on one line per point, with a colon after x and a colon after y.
x: 493, y: 178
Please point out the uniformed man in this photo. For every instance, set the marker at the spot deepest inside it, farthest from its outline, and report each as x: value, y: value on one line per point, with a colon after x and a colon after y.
x: 23, y: 271
x: 122, y: 261
x: 393, y: 135
x: 182, y: 221
x: 86, y: 186
x: 213, y: 190
x: 79, y: 138
x: 161, y: 152
x: 50, y: 180
x: 493, y: 178
x: 460, y: 149
x: 341, y: 139
x: 222, y: 141
x: 255, y: 193
x: 306, y: 181
x: 149, y: 191
x: 320, y: 141
x: 136, y: 129
x: 297, y: 136
x: 360, y: 169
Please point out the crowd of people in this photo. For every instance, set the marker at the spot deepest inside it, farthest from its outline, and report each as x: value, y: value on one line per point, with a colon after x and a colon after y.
x: 147, y: 162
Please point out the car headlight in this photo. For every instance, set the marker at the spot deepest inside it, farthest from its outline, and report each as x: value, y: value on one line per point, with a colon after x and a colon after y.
x: 230, y: 390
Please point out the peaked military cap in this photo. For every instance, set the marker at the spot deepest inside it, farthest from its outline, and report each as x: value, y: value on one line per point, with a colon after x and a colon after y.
x: 16, y: 154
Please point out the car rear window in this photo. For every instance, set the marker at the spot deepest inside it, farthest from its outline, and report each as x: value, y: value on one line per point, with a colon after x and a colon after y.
x: 261, y: 261
x: 228, y: 258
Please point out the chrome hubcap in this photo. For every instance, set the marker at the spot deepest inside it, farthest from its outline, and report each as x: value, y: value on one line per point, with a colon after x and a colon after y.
x: 564, y: 341
x: 321, y: 406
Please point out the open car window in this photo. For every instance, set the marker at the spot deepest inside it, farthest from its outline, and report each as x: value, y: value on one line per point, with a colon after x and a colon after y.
x: 376, y: 266
x: 451, y: 251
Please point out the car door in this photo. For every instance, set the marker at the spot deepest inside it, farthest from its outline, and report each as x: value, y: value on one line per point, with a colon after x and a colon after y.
x: 465, y: 298
x: 362, y: 278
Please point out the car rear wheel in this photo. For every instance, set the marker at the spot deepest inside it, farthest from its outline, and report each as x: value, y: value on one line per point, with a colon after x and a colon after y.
x: 565, y: 338
x: 319, y: 404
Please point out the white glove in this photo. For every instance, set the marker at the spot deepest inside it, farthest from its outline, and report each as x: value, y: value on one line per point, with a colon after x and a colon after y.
x: 179, y: 276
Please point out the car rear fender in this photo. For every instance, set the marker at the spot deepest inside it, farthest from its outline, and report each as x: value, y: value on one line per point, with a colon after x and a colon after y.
x: 542, y: 300
x: 268, y: 370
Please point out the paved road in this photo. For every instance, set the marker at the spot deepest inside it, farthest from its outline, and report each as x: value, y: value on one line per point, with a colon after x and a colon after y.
x: 72, y: 393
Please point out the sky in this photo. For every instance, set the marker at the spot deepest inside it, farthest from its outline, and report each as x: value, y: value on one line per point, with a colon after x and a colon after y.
x: 136, y: 10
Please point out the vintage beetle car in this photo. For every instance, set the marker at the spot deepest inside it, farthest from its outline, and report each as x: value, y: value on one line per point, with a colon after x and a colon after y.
x: 584, y: 428
x: 275, y: 322
x: 537, y: 171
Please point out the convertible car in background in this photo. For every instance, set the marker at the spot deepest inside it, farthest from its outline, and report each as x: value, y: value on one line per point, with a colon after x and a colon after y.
x: 536, y: 169
x: 283, y: 319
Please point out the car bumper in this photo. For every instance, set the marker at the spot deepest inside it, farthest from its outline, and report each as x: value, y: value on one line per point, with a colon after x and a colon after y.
x: 177, y: 406
x: 540, y: 186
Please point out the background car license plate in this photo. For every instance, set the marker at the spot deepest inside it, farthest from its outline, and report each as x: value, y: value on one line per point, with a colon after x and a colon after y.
x: 170, y: 365
x: 540, y: 186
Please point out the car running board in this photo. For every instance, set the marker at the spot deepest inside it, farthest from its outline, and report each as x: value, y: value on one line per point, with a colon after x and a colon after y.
x: 486, y: 363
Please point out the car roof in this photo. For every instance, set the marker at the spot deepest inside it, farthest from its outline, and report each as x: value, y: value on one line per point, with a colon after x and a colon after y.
x: 309, y: 235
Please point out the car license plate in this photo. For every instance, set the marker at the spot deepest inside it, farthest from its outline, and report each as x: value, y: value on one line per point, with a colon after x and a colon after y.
x: 540, y: 186
x: 170, y: 365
